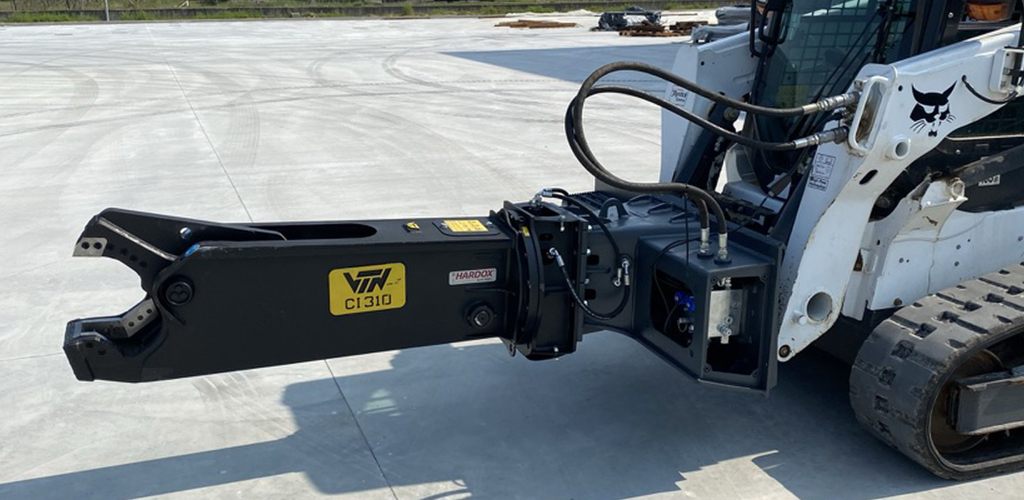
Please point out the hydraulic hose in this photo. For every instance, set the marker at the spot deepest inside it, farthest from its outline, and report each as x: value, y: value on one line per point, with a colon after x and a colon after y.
x: 621, y: 261
x: 827, y: 104
x: 705, y: 201
x: 835, y: 134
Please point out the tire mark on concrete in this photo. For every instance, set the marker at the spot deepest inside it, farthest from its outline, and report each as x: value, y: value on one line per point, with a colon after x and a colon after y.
x: 85, y: 91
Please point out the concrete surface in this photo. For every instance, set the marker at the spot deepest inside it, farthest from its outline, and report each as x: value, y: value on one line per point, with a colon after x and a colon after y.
x: 358, y: 119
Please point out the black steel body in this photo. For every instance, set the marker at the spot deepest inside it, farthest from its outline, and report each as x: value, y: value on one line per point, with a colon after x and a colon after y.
x: 261, y: 295
x: 224, y: 304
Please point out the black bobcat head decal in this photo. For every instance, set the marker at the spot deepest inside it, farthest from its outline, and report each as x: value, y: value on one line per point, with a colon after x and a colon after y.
x: 932, y: 109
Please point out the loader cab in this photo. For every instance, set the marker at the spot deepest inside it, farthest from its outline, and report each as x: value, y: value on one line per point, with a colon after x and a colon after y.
x: 809, y: 49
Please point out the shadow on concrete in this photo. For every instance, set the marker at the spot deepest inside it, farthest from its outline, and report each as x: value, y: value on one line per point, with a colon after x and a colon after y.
x: 574, y: 64
x: 610, y: 422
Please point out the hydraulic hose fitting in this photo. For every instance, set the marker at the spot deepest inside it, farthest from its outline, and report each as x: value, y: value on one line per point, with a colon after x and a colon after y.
x: 557, y: 256
x: 833, y: 102
x: 625, y: 270
x: 723, y: 249
x: 705, y: 244
x: 838, y: 134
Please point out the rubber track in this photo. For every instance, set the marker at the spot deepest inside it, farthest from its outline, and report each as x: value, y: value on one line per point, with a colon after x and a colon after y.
x: 907, y: 359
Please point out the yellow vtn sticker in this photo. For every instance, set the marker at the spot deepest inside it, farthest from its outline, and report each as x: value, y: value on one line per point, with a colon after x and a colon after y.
x: 367, y: 288
x: 465, y: 226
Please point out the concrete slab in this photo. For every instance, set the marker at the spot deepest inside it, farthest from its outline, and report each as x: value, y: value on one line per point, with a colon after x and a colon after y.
x: 352, y: 119
x: 273, y: 433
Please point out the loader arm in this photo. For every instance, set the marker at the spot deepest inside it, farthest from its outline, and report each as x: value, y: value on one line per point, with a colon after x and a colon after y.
x: 845, y: 180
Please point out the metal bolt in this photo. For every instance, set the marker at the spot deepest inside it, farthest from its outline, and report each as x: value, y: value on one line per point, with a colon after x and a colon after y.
x: 481, y: 316
x: 785, y: 351
x: 185, y: 233
x: 588, y: 251
x: 179, y: 293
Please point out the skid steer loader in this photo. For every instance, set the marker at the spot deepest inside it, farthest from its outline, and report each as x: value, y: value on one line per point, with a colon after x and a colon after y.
x: 848, y: 174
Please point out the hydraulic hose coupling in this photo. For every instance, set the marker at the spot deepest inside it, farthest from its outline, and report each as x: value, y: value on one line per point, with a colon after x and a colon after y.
x: 837, y: 135
x: 539, y: 197
x: 557, y: 256
x: 723, y: 249
x: 833, y: 102
x: 705, y: 244
x: 622, y: 274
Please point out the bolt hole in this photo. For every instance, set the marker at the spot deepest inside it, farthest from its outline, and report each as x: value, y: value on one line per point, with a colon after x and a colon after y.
x: 133, y: 258
x: 819, y: 307
x: 97, y: 245
x: 901, y: 149
x: 867, y: 178
x: 85, y: 245
x: 101, y: 352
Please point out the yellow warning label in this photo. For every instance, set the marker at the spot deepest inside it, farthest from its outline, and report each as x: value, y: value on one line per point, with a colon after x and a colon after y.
x: 465, y: 226
x: 367, y: 288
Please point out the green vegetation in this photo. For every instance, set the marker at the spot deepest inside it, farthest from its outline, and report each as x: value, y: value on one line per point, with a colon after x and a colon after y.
x: 29, y: 11
x: 48, y: 17
x: 229, y: 14
x: 137, y: 15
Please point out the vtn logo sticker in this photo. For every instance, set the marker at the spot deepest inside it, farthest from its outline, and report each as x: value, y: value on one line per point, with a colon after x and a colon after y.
x: 366, y: 289
x: 368, y: 281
